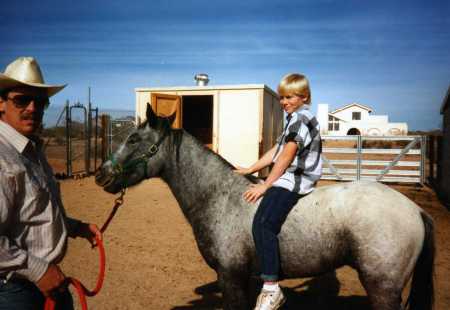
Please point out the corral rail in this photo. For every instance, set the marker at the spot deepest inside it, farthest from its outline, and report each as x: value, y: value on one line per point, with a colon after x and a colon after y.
x: 380, y: 158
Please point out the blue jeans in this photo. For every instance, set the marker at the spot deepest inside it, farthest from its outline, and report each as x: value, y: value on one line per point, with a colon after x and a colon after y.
x: 18, y: 294
x: 271, y: 214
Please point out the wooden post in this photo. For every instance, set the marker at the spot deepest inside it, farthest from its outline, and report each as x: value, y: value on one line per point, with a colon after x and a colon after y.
x: 439, y: 172
x: 68, y: 141
x: 431, y: 158
x: 423, y: 155
x: 105, y: 121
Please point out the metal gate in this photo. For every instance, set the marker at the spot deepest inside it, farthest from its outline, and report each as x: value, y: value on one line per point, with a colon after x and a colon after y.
x: 385, y: 159
x: 115, y: 132
x: 71, y: 144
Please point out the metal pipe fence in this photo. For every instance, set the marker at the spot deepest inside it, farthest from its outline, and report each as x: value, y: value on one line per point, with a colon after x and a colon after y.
x: 380, y: 158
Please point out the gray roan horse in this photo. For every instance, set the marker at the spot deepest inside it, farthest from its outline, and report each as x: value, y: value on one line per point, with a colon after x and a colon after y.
x: 379, y: 232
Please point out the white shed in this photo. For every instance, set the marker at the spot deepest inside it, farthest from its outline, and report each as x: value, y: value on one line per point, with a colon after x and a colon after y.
x: 239, y: 122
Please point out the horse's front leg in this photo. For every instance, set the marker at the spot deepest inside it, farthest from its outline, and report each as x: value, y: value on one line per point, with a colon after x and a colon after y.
x: 234, y: 285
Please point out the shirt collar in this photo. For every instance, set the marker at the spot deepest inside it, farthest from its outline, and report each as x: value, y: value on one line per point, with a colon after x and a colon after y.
x: 303, y: 107
x: 15, y: 138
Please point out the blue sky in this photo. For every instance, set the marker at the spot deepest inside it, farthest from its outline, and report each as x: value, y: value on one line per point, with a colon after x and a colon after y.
x: 393, y: 56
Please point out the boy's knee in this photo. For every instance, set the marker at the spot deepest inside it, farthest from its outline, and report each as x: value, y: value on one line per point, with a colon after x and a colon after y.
x: 265, y: 224
x: 257, y: 225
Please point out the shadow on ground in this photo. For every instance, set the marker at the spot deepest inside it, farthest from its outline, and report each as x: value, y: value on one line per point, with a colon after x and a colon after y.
x: 319, y: 293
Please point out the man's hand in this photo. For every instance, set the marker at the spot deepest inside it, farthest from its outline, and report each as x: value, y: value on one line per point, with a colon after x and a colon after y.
x: 89, y: 232
x: 52, y: 279
x: 255, y: 192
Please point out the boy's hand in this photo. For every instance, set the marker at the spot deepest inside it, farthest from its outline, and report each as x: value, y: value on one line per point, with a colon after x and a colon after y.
x: 242, y: 170
x: 255, y: 192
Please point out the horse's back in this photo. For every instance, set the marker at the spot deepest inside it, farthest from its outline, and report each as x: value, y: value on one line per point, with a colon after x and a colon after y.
x: 362, y: 224
x: 350, y: 203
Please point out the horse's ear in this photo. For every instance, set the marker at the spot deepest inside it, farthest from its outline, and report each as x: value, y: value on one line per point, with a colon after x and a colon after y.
x: 171, y: 118
x: 152, y: 118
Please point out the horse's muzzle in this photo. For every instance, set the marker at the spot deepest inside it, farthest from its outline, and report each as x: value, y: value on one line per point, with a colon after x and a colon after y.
x: 102, y: 178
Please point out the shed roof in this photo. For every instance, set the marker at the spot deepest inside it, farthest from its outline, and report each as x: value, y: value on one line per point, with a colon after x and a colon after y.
x: 445, y: 103
x: 208, y: 87
x: 351, y: 105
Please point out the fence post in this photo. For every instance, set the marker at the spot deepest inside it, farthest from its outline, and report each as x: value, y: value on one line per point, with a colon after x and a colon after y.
x: 89, y: 133
x: 359, y: 157
x: 68, y: 142
x: 423, y: 149
x: 431, y: 154
x: 105, y: 120
x: 439, y: 161
x: 87, y: 143
x: 96, y: 139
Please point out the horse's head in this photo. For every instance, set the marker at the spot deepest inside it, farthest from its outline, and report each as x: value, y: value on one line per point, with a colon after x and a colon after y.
x: 140, y: 156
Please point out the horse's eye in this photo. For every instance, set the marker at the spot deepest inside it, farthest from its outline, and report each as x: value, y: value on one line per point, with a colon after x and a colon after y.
x: 133, y: 139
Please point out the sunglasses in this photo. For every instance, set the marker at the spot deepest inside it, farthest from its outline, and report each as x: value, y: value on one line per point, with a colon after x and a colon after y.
x: 22, y: 101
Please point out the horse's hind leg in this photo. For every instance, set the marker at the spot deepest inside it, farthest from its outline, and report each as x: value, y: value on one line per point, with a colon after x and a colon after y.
x: 234, y: 287
x: 383, y: 293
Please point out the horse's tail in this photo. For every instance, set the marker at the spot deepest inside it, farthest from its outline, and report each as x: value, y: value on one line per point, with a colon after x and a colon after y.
x: 421, y: 295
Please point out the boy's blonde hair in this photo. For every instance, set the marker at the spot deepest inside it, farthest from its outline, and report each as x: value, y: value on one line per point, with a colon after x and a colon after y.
x: 295, y: 84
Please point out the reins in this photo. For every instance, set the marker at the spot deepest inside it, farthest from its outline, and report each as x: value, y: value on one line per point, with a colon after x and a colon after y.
x: 82, y: 291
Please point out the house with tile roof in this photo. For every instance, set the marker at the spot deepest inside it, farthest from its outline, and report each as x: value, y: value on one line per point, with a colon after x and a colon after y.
x: 356, y: 119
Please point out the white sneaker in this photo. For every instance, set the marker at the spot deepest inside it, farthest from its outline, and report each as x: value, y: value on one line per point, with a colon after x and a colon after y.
x: 270, y: 300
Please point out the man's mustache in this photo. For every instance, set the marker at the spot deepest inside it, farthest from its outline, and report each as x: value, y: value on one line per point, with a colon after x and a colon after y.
x: 29, y: 117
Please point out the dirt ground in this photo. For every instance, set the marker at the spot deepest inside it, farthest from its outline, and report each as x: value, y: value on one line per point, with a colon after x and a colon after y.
x: 153, y: 261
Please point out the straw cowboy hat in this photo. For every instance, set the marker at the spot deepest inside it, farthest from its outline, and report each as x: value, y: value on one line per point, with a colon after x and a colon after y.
x: 25, y: 71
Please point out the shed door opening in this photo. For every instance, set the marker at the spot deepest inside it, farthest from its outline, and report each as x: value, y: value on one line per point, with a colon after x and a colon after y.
x: 198, y: 117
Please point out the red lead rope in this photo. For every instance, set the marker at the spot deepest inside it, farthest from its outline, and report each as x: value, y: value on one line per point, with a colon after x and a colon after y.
x: 80, y: 288
x: 82, y: 291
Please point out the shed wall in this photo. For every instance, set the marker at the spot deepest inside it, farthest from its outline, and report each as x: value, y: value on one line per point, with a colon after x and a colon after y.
x: 239, y: 126
x: 246, y: 121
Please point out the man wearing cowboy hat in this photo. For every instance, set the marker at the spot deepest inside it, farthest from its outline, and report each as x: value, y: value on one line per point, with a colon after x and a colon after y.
x: 33, y: 224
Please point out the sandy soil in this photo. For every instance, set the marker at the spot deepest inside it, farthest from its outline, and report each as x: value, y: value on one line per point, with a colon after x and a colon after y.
x: 153, y: 261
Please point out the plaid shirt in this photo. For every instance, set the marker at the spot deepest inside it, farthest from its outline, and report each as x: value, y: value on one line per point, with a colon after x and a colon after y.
x: 306, y: 169
x: 33, y: 225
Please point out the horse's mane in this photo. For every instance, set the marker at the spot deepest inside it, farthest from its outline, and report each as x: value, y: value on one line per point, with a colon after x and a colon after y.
x: 176, y: 137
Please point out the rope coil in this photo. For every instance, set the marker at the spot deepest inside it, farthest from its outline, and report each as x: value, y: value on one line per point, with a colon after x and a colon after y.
x: 82, y: 291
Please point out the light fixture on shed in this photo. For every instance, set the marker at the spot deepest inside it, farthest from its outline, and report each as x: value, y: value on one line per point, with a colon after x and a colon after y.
x: 201, y: 79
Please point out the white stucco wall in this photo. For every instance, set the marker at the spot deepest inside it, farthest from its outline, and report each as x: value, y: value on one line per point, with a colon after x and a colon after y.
x: 322, y: 118
x: 376, y: 128
x: 371, y: 125
x: 382, y: 119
